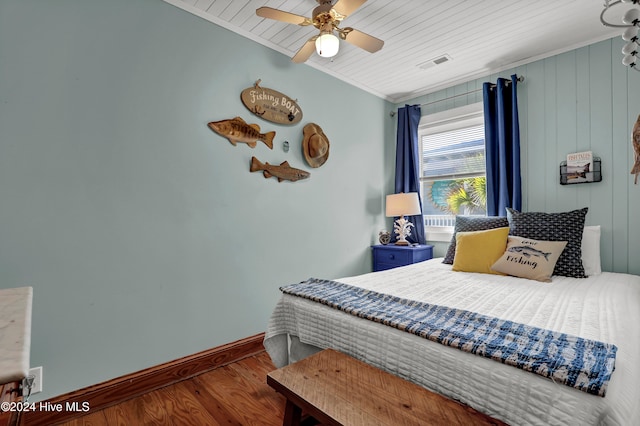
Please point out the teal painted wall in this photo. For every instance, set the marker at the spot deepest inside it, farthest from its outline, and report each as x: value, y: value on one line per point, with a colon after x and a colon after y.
x: 581, y: 100
x: 143, y: 233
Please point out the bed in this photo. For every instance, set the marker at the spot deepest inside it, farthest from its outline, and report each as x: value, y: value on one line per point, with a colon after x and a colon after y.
x: 604, y: 307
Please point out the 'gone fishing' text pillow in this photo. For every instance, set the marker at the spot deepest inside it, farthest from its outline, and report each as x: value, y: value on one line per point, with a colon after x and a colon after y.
x: 527, y: 258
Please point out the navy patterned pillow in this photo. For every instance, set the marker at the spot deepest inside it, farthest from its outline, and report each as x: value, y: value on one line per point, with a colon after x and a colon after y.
x: 567, y: 226
x: 470, y: 224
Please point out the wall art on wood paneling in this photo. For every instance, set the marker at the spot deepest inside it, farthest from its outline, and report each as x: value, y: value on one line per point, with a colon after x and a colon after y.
x: 237, y: 130
x: 271, y: 105
x: 568, y: 175
x: 580, y: 167
x: 635, y: 141
x: 282, y: 172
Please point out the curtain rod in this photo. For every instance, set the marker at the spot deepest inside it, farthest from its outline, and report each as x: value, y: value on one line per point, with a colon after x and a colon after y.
x: 520, y: 79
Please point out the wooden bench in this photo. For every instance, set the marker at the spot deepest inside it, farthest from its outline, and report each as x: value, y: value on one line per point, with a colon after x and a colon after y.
x: 336, y: 389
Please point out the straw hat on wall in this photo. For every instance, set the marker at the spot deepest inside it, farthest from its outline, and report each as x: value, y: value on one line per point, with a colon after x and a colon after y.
x: 315, y: 145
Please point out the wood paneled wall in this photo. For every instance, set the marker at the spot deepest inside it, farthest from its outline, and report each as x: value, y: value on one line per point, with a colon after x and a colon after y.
x: 584, y: 99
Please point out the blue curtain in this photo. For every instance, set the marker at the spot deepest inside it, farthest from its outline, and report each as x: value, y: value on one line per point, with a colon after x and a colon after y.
x: 502, y: 139
x: 408, y: 164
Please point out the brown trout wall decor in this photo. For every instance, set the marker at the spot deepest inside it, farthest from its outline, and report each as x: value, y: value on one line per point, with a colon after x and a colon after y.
x: 282, y: 172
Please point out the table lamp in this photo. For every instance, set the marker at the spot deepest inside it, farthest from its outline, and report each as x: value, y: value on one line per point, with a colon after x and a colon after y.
x: 403, y: 205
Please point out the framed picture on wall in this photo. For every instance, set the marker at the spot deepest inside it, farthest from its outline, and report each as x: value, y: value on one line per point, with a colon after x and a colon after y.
x: 580, y: 167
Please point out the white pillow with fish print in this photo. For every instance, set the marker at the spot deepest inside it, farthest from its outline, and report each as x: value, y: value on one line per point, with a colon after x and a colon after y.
x: 527, y: 258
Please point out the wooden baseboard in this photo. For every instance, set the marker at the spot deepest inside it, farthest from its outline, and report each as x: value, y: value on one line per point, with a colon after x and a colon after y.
x: 120, y: 389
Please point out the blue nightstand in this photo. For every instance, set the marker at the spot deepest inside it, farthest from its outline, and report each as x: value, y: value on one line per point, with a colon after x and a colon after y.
x: 392, y: 256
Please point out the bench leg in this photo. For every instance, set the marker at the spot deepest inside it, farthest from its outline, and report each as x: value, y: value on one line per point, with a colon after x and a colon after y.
x: 292, y: 414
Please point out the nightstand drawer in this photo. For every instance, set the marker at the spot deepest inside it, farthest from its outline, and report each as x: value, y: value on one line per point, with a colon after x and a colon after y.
x: 392, y: 256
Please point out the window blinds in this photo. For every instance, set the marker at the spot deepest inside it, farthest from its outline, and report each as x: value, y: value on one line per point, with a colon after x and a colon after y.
x: 454, y: 154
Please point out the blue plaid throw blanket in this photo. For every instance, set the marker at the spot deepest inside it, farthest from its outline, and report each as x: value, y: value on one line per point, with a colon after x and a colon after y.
x: 580, y: 363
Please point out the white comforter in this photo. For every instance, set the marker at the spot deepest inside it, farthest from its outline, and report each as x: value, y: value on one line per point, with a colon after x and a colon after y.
x: 605, y: 307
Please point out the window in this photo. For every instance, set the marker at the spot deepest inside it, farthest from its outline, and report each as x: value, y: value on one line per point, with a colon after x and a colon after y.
x: 453, y: 178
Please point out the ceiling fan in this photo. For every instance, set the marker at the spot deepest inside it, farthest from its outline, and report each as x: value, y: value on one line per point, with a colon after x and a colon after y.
x: 326, y: 18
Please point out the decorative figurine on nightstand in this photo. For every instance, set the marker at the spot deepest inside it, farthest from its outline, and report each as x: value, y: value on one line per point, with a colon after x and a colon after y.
x: 402, y: 227
x: 384, y: 237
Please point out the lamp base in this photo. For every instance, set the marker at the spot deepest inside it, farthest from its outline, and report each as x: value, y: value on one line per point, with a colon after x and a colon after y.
x: 402, y: 228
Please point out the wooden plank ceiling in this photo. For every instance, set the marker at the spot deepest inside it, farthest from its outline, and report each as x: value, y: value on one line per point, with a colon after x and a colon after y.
x: 479, y: 37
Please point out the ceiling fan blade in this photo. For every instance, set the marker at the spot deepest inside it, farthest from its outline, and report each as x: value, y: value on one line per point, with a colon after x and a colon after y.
x: 360, y: 39
x: 347, y: 7
x: 279, y: 15
x: 305, y: 51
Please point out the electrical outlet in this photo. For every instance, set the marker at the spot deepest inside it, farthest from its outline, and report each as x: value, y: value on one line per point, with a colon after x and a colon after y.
x: 36, y: 387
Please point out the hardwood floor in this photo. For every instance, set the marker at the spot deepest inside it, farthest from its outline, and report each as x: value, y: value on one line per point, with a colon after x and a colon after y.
x: 236, y: 394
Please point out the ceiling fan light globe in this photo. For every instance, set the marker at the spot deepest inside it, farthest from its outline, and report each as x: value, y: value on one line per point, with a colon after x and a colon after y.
x: 631, y: 17
x: 327, y: 45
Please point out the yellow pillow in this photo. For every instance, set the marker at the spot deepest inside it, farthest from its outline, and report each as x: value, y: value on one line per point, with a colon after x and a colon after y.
x: 477, y: 251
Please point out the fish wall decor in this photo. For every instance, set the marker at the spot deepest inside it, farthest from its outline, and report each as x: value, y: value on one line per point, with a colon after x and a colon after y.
x: 282, y: 172
x: 635, y: 141
x: 237, y: 130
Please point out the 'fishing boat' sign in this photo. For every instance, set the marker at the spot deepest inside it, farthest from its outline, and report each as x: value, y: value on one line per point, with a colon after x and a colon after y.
x: 271, y: 105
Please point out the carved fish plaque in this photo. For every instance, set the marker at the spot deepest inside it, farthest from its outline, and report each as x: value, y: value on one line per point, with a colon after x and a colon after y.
x: 271, y: 105
x: 237, y: 130
x: 282, y: 172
